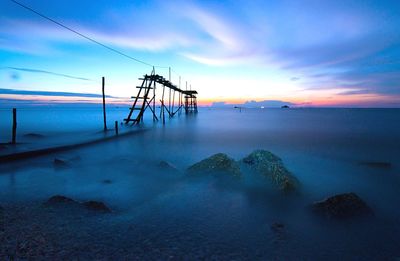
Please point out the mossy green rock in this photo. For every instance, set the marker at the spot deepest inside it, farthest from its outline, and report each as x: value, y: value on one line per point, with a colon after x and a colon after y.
x: 271, y: 166
x: 218, y: 163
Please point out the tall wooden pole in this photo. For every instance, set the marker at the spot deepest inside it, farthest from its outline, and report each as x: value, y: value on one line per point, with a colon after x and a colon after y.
x: 14, y: 127
x: 116, y: 127
x: 104, y: 105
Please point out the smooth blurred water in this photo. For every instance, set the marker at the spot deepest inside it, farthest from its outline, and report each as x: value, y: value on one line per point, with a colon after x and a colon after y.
x: 323, y: 148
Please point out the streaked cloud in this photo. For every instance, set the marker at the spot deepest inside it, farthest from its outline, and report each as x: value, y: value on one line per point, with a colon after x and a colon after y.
x: 47, y: 93
x: 254, y: 104
x: 47, y: 72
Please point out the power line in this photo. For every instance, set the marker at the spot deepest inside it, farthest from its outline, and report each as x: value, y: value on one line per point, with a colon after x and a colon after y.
x: 90, y: 39
x: 82, y: 35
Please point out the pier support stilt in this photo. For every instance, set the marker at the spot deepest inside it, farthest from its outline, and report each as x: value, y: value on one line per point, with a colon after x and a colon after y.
x: 14, y: 127
x: 104, y: 104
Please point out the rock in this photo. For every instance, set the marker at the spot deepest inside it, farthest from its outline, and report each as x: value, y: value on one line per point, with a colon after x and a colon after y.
x: 164, y: 165
x: 107, y: 181
x: 376, y: 164
x: 342, y: 206
x: 59, y: 163
x: 96, y: 206
x: 277, y: 227
x: 285, y: 107
x: 271, y: 166
x: 34, y: 135
x: 218, y: 163
x: 58, y: 200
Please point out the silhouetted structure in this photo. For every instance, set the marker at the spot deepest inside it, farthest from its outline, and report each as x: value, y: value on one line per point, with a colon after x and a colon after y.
x: 190, y: 101
x: 146, y: 98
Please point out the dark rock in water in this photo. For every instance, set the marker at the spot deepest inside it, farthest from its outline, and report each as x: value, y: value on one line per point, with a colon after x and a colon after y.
x: 285, y: 107
x: 277, y: 227
x: 96, y: 206
x: 342, y: 206
x: 376, y: 164
x: 271, y: 166
x: 167, y: 166
x: 58, y: 200
x: 218, y: 163
x: 59, y: 163
x: 34, y: 135
x: 107, y: 181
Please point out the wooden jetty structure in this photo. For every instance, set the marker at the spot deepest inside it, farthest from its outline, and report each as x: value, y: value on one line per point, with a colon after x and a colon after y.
x: 146, y: 99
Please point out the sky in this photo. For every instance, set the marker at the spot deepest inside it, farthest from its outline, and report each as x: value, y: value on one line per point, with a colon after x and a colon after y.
x: 303, y: 53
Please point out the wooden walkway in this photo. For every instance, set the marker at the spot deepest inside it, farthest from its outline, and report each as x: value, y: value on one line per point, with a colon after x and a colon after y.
x: 146, y: 99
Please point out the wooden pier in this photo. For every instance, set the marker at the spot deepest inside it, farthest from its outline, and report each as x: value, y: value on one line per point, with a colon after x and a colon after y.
x: 146, y: 99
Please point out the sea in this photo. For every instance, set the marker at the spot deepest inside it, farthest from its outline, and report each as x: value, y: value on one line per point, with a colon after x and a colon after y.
x: 163, y: 215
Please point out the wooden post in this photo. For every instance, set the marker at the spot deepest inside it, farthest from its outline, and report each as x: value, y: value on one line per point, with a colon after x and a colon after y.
x: 104, y: 105
x: 180, y: 95
x: 116, y: 127
x: 162, y: 105
x: 154, y: 102
x: 173, y: 103
x: 169, y: 102
x: 14, y: 127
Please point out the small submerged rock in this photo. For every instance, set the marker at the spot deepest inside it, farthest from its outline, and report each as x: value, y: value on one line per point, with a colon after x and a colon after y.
x: 62, y: 201
x: 107, y: 181
x: 58, y: 199
x: 277, y: 227
x: 376, y: 164
x: 96, y: 206
x: 271, y: 166
x: 34, y: 135
x: 59, y: 163
x: 164, y: 165
x: 218, y: 163
x: 342, y: 206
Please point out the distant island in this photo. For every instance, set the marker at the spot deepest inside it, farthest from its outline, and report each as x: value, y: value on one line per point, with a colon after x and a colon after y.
x: 285, y: 107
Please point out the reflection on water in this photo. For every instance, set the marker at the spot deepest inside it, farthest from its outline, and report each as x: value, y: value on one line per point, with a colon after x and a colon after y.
x: 158, y: 213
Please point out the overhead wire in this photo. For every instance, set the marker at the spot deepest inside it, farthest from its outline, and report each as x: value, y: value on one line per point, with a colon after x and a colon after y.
x: 90, y: 38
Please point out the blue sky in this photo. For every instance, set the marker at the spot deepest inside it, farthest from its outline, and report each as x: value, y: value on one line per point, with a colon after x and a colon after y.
x: 309, y: 53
